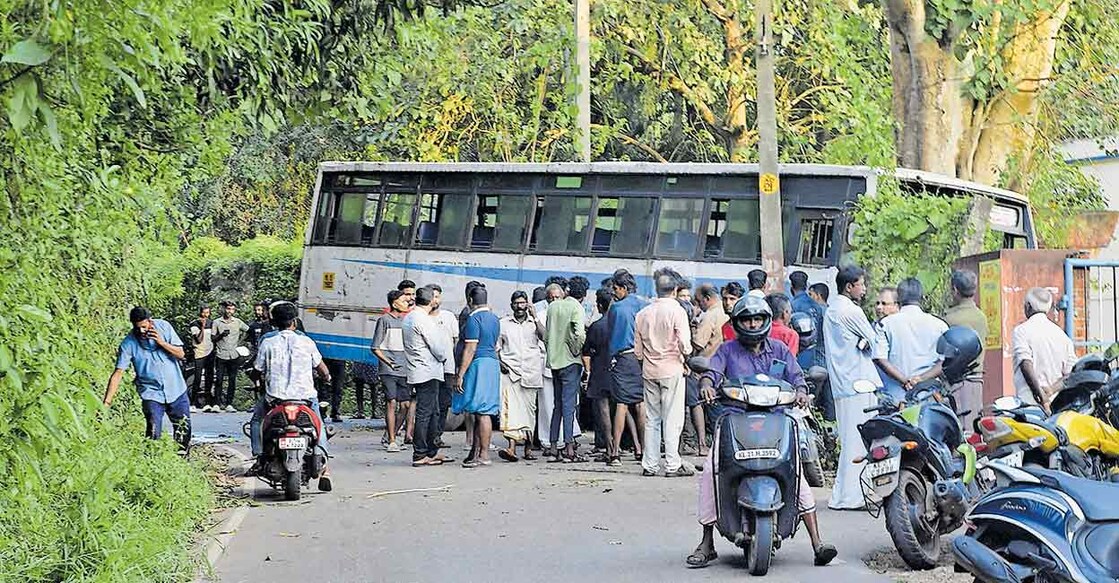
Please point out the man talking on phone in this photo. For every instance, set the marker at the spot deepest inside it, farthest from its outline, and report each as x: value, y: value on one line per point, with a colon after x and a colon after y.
x: 154, y: 350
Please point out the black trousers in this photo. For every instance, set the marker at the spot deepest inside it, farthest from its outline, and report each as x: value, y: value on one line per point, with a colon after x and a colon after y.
x: 444, y: 407
x: 427, y: 420
x: 337, y: 383
x: 227, y: 377
x: 202, y: 393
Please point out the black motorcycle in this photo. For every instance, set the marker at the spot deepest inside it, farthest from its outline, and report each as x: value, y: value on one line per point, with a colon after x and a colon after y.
x: 757, y: 454
x: 919, y: 470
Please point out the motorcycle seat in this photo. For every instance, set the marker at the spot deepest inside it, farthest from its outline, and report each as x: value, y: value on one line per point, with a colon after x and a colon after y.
x: 1095, y: 498
x: 1102, y: 543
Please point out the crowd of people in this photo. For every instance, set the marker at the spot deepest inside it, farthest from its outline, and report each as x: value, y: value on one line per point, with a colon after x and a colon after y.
x: 530, y: 367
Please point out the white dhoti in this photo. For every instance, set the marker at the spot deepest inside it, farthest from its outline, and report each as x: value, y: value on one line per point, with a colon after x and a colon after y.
x: 848, y: 491
x: 546, y: 401
x: 518, y: 409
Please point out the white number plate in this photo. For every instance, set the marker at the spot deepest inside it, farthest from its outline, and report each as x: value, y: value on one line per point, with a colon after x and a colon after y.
x: 754, y: 454
x: 293, y: 443
x: 886, y: 466
x: 1015, y: 459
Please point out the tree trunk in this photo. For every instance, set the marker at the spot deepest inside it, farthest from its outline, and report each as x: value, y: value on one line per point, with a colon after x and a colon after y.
x: 940, y: 128
x: 928, y: 95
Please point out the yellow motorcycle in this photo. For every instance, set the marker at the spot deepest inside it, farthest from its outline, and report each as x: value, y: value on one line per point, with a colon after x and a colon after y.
x: 1076, y: 439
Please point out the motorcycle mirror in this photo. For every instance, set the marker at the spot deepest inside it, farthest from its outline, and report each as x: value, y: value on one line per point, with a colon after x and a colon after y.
x: 1009, y: 403
x: 864, y: 387
x: 699, y: 364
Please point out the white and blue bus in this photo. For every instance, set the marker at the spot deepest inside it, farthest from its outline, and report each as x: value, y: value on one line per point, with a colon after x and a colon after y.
x: 511, y: 226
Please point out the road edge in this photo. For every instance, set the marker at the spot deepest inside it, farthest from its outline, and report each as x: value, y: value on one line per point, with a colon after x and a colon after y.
x: 225, y: 529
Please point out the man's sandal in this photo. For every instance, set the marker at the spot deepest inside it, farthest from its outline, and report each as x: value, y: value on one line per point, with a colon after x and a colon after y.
x: 699, y: 559
x: 824, y: 555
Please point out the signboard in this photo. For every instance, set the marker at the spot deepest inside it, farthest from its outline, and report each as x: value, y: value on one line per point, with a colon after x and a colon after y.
x: 990, y: 301
x: 328, y: 281
x: 768, y: 183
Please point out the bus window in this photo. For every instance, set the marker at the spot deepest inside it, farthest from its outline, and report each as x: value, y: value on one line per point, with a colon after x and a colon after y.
x: 369, y: 217
x: 396, y: 220
x: 733, y: 230
x: 817, y: 231
x: 444, y: 220
x: 561, y: 224
x: 349, y: 211
x: 322, y: 218
x: 499, y: 222
x: 678, y: 227
x: 622, y: 226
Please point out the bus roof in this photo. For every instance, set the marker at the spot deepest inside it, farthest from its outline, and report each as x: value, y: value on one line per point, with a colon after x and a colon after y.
x: 673, y: 168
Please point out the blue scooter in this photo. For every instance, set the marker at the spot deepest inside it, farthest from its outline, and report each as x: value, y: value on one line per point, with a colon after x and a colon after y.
x: 1044, y: 527
x: 756, y: 460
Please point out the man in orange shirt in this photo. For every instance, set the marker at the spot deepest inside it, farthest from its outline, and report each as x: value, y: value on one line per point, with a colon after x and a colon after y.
x: 782, y: 309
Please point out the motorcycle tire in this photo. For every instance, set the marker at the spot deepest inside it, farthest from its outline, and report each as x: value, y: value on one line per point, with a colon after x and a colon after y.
x: 916, y: 542
x: 293, y: 485
x: 759, y: 550
x: 814, y: 473
x: 811, y: 465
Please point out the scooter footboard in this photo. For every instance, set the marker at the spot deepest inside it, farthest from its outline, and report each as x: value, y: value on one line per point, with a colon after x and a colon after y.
x: 760, y: 494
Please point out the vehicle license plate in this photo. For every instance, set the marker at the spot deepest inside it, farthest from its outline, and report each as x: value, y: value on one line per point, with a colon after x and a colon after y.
x: 754, y: 454
x: 293, y: 443
x: 886, y: 466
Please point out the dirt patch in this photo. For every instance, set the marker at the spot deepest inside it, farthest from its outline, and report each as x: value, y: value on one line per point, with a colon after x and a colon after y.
x: 886, y: 561
x: 223, y: 468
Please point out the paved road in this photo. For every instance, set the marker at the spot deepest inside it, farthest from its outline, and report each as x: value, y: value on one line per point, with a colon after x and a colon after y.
x: 527, y: 521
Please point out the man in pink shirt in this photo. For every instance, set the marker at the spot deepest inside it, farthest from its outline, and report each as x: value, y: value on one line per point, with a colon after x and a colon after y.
x: 662, y: 339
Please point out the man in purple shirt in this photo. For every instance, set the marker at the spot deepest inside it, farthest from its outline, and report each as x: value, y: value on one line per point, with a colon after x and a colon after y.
x: 752, y: 353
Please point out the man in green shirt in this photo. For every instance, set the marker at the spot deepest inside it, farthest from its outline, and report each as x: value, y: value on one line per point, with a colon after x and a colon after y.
x: 563, y: 340
x: 964, y: 312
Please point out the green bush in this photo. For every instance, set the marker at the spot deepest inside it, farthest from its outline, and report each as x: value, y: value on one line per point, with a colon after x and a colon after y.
x: 900, y: 235
x: 212, y: 272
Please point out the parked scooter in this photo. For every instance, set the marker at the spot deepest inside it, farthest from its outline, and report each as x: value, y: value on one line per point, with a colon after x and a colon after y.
x: 291, y: 433
x: 920, y: 469
x: 756, y: 457
x: 1021, y: 435
x: 1046, y: 526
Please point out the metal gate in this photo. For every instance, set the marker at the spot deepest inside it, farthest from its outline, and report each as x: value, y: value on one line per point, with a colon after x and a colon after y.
x: 1091, y: 310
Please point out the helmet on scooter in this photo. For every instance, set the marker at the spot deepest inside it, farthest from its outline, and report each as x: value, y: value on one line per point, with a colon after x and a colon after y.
x: 805, y: 326
x: 960, y: 347
x: 748, y: 308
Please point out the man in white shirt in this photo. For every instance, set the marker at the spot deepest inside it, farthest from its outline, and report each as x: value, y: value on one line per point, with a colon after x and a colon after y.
x: 1043, y: 353
x: 427, y: 348
x: 905, y: 348
x: 850, y: 340
x: 518, y: 351
x: 448, y: 321
x: 287, y: 360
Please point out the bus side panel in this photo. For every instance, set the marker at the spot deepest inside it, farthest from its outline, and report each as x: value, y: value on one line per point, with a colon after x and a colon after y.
x: 452, y: 270
x: 342, y: 292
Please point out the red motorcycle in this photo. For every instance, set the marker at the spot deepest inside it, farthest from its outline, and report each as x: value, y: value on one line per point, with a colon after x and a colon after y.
x: 291, y: 433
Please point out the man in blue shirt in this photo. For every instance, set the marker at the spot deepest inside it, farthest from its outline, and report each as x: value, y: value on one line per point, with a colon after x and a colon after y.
x: 816, y: 356
x: 154, y: 350
x: 628, y: 386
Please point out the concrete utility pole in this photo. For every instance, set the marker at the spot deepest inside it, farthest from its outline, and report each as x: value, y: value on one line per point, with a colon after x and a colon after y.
x: 583, y: 78
x: 769, y: 181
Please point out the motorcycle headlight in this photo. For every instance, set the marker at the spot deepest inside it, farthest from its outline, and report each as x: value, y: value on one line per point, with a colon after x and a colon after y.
x: 736, y: 393
x: 762, y: 396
